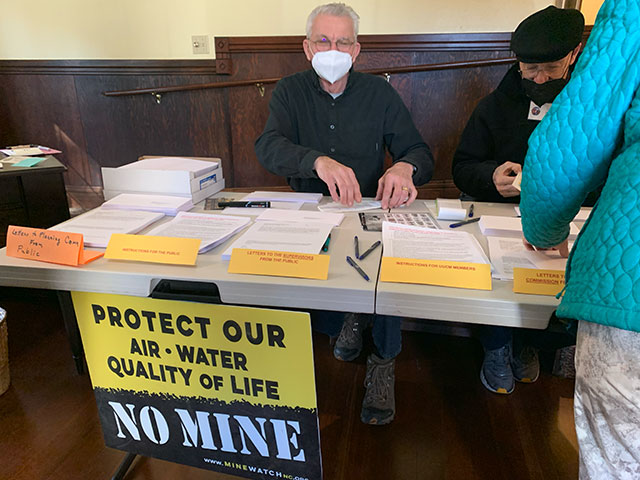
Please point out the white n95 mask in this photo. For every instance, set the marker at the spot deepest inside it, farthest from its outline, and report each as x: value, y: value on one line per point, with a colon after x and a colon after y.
x: 331, y: 65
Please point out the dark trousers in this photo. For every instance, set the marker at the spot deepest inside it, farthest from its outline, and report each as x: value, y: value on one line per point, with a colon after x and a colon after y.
x: 385, y: 330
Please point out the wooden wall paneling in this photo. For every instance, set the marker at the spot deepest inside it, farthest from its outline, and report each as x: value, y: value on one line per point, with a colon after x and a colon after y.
x: 249, y: 115
x: 120, y: 129
x: 43, y: 109
x: 248, y: 111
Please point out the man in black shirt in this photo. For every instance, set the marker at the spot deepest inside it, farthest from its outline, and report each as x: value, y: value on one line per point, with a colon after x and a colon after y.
x: 330, y: 135
x: 327, y: 132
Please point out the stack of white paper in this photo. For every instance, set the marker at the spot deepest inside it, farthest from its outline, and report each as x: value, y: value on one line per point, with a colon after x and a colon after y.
x: 184, y: 177
x: 509, y: 253
x: 166, y: 204
x: 491, y: 225
x: 405, y: 241
x: 210, y: 228
x: 193, y: 166
x: 97, y: 225
x: 276, y: 215
x: 298, y: 197
x: 283, y: 237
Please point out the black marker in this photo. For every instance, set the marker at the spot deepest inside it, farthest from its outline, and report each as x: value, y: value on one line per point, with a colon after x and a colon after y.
x: 241, y: 204
x: 471, y: 211
x: 356, y: 247
x: 351, y: 262
x: 465, y: 222
x: 371, y: 249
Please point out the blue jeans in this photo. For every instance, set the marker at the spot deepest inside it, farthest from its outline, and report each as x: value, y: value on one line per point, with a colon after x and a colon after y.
x: 386, y: 333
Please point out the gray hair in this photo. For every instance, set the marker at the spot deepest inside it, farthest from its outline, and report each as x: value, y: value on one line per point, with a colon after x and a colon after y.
x: 337, y: 10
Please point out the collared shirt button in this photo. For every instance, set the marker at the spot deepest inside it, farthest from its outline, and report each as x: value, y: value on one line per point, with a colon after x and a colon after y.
x: 332, y: 149
x: 333, y: 104
x: 332, y: 126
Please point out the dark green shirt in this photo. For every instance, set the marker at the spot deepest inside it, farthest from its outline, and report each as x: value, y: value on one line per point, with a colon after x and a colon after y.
x: 305, y: 122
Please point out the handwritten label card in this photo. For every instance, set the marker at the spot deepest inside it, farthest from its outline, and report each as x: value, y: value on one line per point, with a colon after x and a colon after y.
x: 537, y: 281
x: 148, y: 248
x: 279, y: 264
x: 63, y: 248
x: 436, y: 272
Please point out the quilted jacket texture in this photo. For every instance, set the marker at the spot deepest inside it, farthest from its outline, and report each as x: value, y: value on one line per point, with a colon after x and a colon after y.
x: 591, y: 135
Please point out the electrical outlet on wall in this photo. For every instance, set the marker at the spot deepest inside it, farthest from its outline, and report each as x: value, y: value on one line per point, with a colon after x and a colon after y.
x: 200, y: 44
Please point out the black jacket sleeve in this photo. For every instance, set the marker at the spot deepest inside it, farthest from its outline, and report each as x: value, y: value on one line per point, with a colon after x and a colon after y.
x: 277, y: 149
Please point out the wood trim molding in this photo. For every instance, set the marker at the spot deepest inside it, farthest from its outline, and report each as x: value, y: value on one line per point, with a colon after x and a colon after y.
x: 108, y: 67
x: 393, y: 43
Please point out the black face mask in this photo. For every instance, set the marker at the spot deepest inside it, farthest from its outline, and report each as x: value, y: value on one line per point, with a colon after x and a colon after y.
x: 542, y: 93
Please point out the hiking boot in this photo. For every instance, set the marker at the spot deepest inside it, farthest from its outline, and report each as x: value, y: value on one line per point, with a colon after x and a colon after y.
x: 526, y: 366
x: 379, y: 404
x: 349, y: 342
x: 496, y: 374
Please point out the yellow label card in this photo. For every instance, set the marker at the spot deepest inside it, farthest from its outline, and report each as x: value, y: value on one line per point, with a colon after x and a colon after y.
x: 539, y: 282
x: 279, y: 264
x: 147, y: 248
x: 436, y: 272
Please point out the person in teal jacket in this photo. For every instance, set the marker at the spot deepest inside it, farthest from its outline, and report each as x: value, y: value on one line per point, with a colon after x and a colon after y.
x: 590, y: 137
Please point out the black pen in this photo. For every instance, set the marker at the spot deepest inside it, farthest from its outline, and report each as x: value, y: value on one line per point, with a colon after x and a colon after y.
x: 351, y: 262
x: 471, y: 211
x: 356, y: 246
x: 242, y: 204
x: 325, y: 247
x: 371, y: 249
x: 465, y: 222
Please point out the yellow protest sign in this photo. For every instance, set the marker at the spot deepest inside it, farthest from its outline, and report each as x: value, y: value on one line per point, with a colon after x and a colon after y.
x: 147, y: 248
x: 436, y: 272
x: 539, y: 282
x: 225, y: 388
x: 279, y: 264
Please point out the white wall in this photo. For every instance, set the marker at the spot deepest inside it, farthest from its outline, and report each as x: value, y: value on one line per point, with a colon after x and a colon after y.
x: 162, y: 29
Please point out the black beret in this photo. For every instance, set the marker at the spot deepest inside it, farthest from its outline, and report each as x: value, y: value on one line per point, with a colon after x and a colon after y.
x: 548, y: 35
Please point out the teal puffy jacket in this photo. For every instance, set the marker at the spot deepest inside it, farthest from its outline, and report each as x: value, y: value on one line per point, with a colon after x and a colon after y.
x: 591, y: 136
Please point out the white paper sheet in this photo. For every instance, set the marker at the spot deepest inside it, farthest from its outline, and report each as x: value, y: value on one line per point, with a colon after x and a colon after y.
x: 97, y: 225
x: 356, y: 207
x: 167, y: 204
x: 212, y: 229
x: 295, y: 197
x: 404, y: 241
x: 450, y: 209
x: 283, y: 237
x: 276, y: 215
x: 508, y: 253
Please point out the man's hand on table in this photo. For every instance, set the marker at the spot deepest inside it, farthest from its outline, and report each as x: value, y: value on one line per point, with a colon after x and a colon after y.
x: 342, y: 182
x: 503, y: 177
x: 396, y: 187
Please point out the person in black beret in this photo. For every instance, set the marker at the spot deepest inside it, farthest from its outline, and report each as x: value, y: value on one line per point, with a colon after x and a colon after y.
x: 493, y: 146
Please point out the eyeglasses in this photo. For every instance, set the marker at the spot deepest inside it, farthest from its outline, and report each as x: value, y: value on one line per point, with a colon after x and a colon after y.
x: 529, y: 71
x: 324, y: 44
